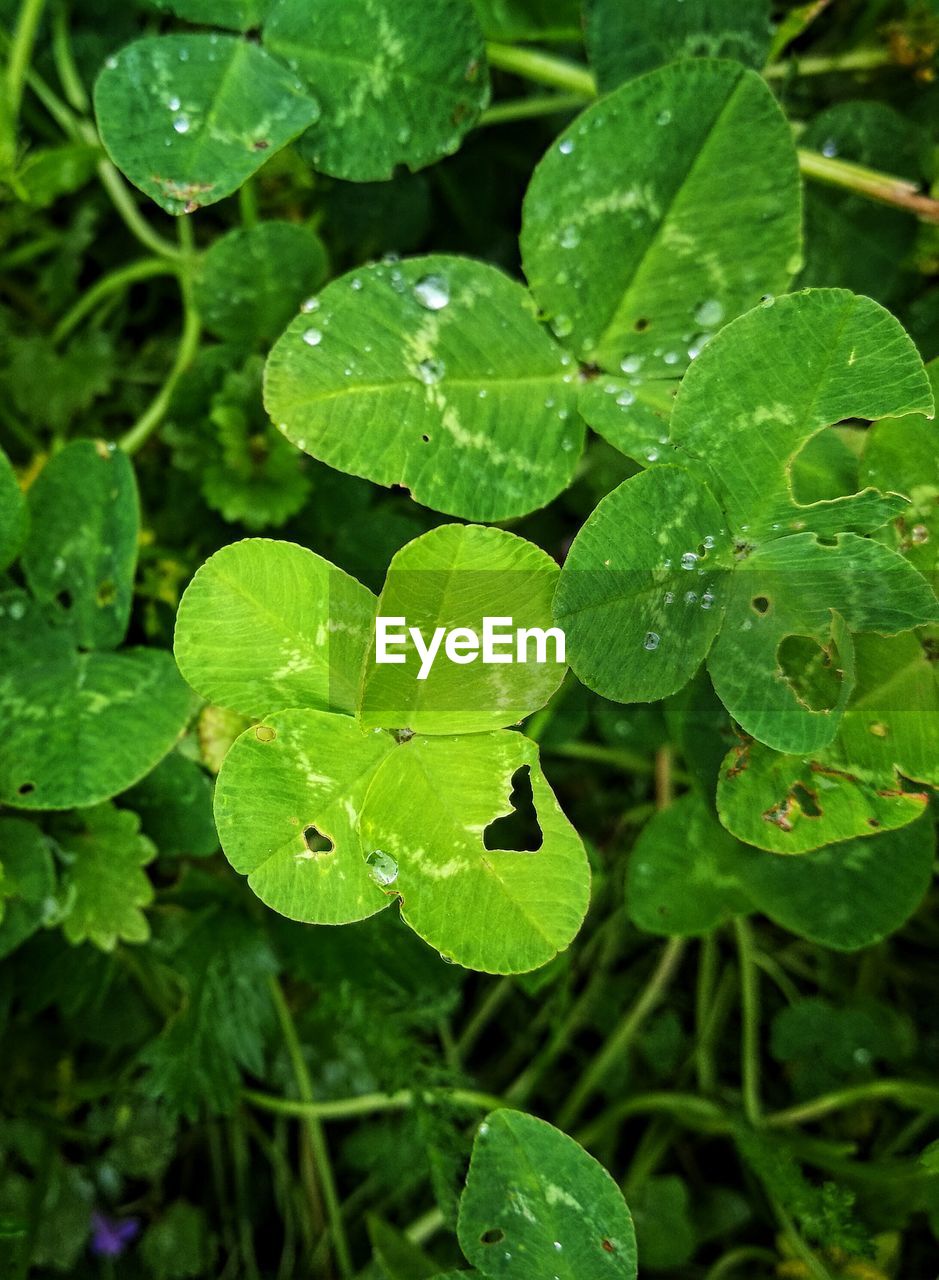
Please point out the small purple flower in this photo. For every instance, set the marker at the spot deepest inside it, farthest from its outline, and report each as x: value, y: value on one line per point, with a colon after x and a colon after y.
x: 111, y: 1236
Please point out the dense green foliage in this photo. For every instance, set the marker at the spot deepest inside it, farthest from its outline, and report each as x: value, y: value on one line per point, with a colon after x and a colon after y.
x: 610, y: 317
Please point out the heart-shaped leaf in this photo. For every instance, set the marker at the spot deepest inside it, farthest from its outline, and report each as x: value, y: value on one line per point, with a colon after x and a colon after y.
x: 400, y: 81
x: 266, y: 625
x: 432, y: 814
x: 189, y: 118
x: 635, y: 222
x: 431, y: 373
x: 253, y: 280
x: 457, y: 576
x: 81, y: 553
x: 536, y: 1205
x: 287, y: 806
x: 687, y: 874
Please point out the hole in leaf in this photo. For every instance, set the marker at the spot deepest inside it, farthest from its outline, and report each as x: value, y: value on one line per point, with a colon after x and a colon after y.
x: 426, y: 439
x: 25, y: 788
x: 517, y: 831
x: 760, y: 604
x: 607, y: 1246
x: 261, y: 144
x: 495, y: 1235
x: 873, y: 823
x: 641, y: 324
x: 811, y: 670
x: 64, y: 599
x: 106, y: 593
x: 316, y: 842
x: 806, y: 799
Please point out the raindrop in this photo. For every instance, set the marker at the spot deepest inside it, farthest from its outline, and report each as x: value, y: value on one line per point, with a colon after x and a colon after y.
x: 767, y: 300
x: 689, y: 560
x: 111, y: 63
x: 709, y: 314
x: 313, y: 337
x: 558, y: 1245
x: 445, y: 958
x: 631, y: 364
x: 829, y: 148
x: 17, y: 610
x: 311, y: 304
x: 707, y: 600
x: 431, y: 371
x: 671, y: 357
x: 651, y: 641
x: 566, y: 146
x: 664, y: 117
x: 670, y: 597
x: 652, y: 455
x: 691, y: 597
x: 355, y: 284
x: 626, y: 398
x: 181, y: 124
x: 432, y: 292
x: 174, y: 103
x: 562, y: 326
x: 570, y: 238
x: 708, y: 542
x: 383, y: 868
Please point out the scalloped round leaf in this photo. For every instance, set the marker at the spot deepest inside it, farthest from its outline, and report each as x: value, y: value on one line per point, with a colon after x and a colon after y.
x: 28, y: 882
x: 631, y: 415
x: 432, y: 373
x: 664, y: 208
x: 783, y: 664
x: 81, y: 727
x: 235, y: 15
x: 677, y: 883
x: 400, y: 81
x: 104, y: 886
x: 189, y: 118
x: 846, y: 896
x: 13, y: 514
x: 253, y: 280
x: 457, y: 576
x: 641, y: 593
x: 81, y: 553
x: 489, y: 870
x: 625, y: 40
x: 794, y: 803
x: 266, y: 625
x: 772, y: 379
x: 287, y: 806
x: 536, y: 1204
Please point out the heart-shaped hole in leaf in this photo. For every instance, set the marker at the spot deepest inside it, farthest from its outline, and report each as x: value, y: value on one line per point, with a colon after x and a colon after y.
x: 518, y: 830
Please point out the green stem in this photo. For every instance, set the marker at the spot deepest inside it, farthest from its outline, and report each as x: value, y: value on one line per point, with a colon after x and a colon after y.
x: 368, y: 1104
x: 595, y: 753
x: 619, y: 1042
x: 696, y: 1113
x: 907, y: 1093
x: 495, y: 997
x: 870, y: 183
x: 750, y: 1041
x: 69, y: 78
x: 737, y: 1258
x: 704, y: 999
x: 854, y: 60
x: 542, y: 68
x: 529, y: 108
x: 314, y: 1131
x: 117, y: 280
x: 20, y: 56
x: 813, y: 1264
x: 124, y: 203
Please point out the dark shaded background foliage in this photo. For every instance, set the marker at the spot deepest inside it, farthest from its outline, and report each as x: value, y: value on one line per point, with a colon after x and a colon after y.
x: 126, y: 1129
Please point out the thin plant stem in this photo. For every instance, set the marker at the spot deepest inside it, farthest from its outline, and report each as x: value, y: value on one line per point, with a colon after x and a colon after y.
x: 542, y: 68
x: 704, y: 998
x: 870, y: 183
x: 750, y: 1040
x: 69, y: 78
x: 368, y: 1104
x: 620, y: 1041
x: 495, y: 997
x: 314, y: 1129
x: 20, y: 56
x: 530, y: 108
x: 868, y: 59
x: 737, y: 1258
x: 906, y: 1093
x: 144, y: 269
x: 126, y: 207
x: 687, y: 1108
